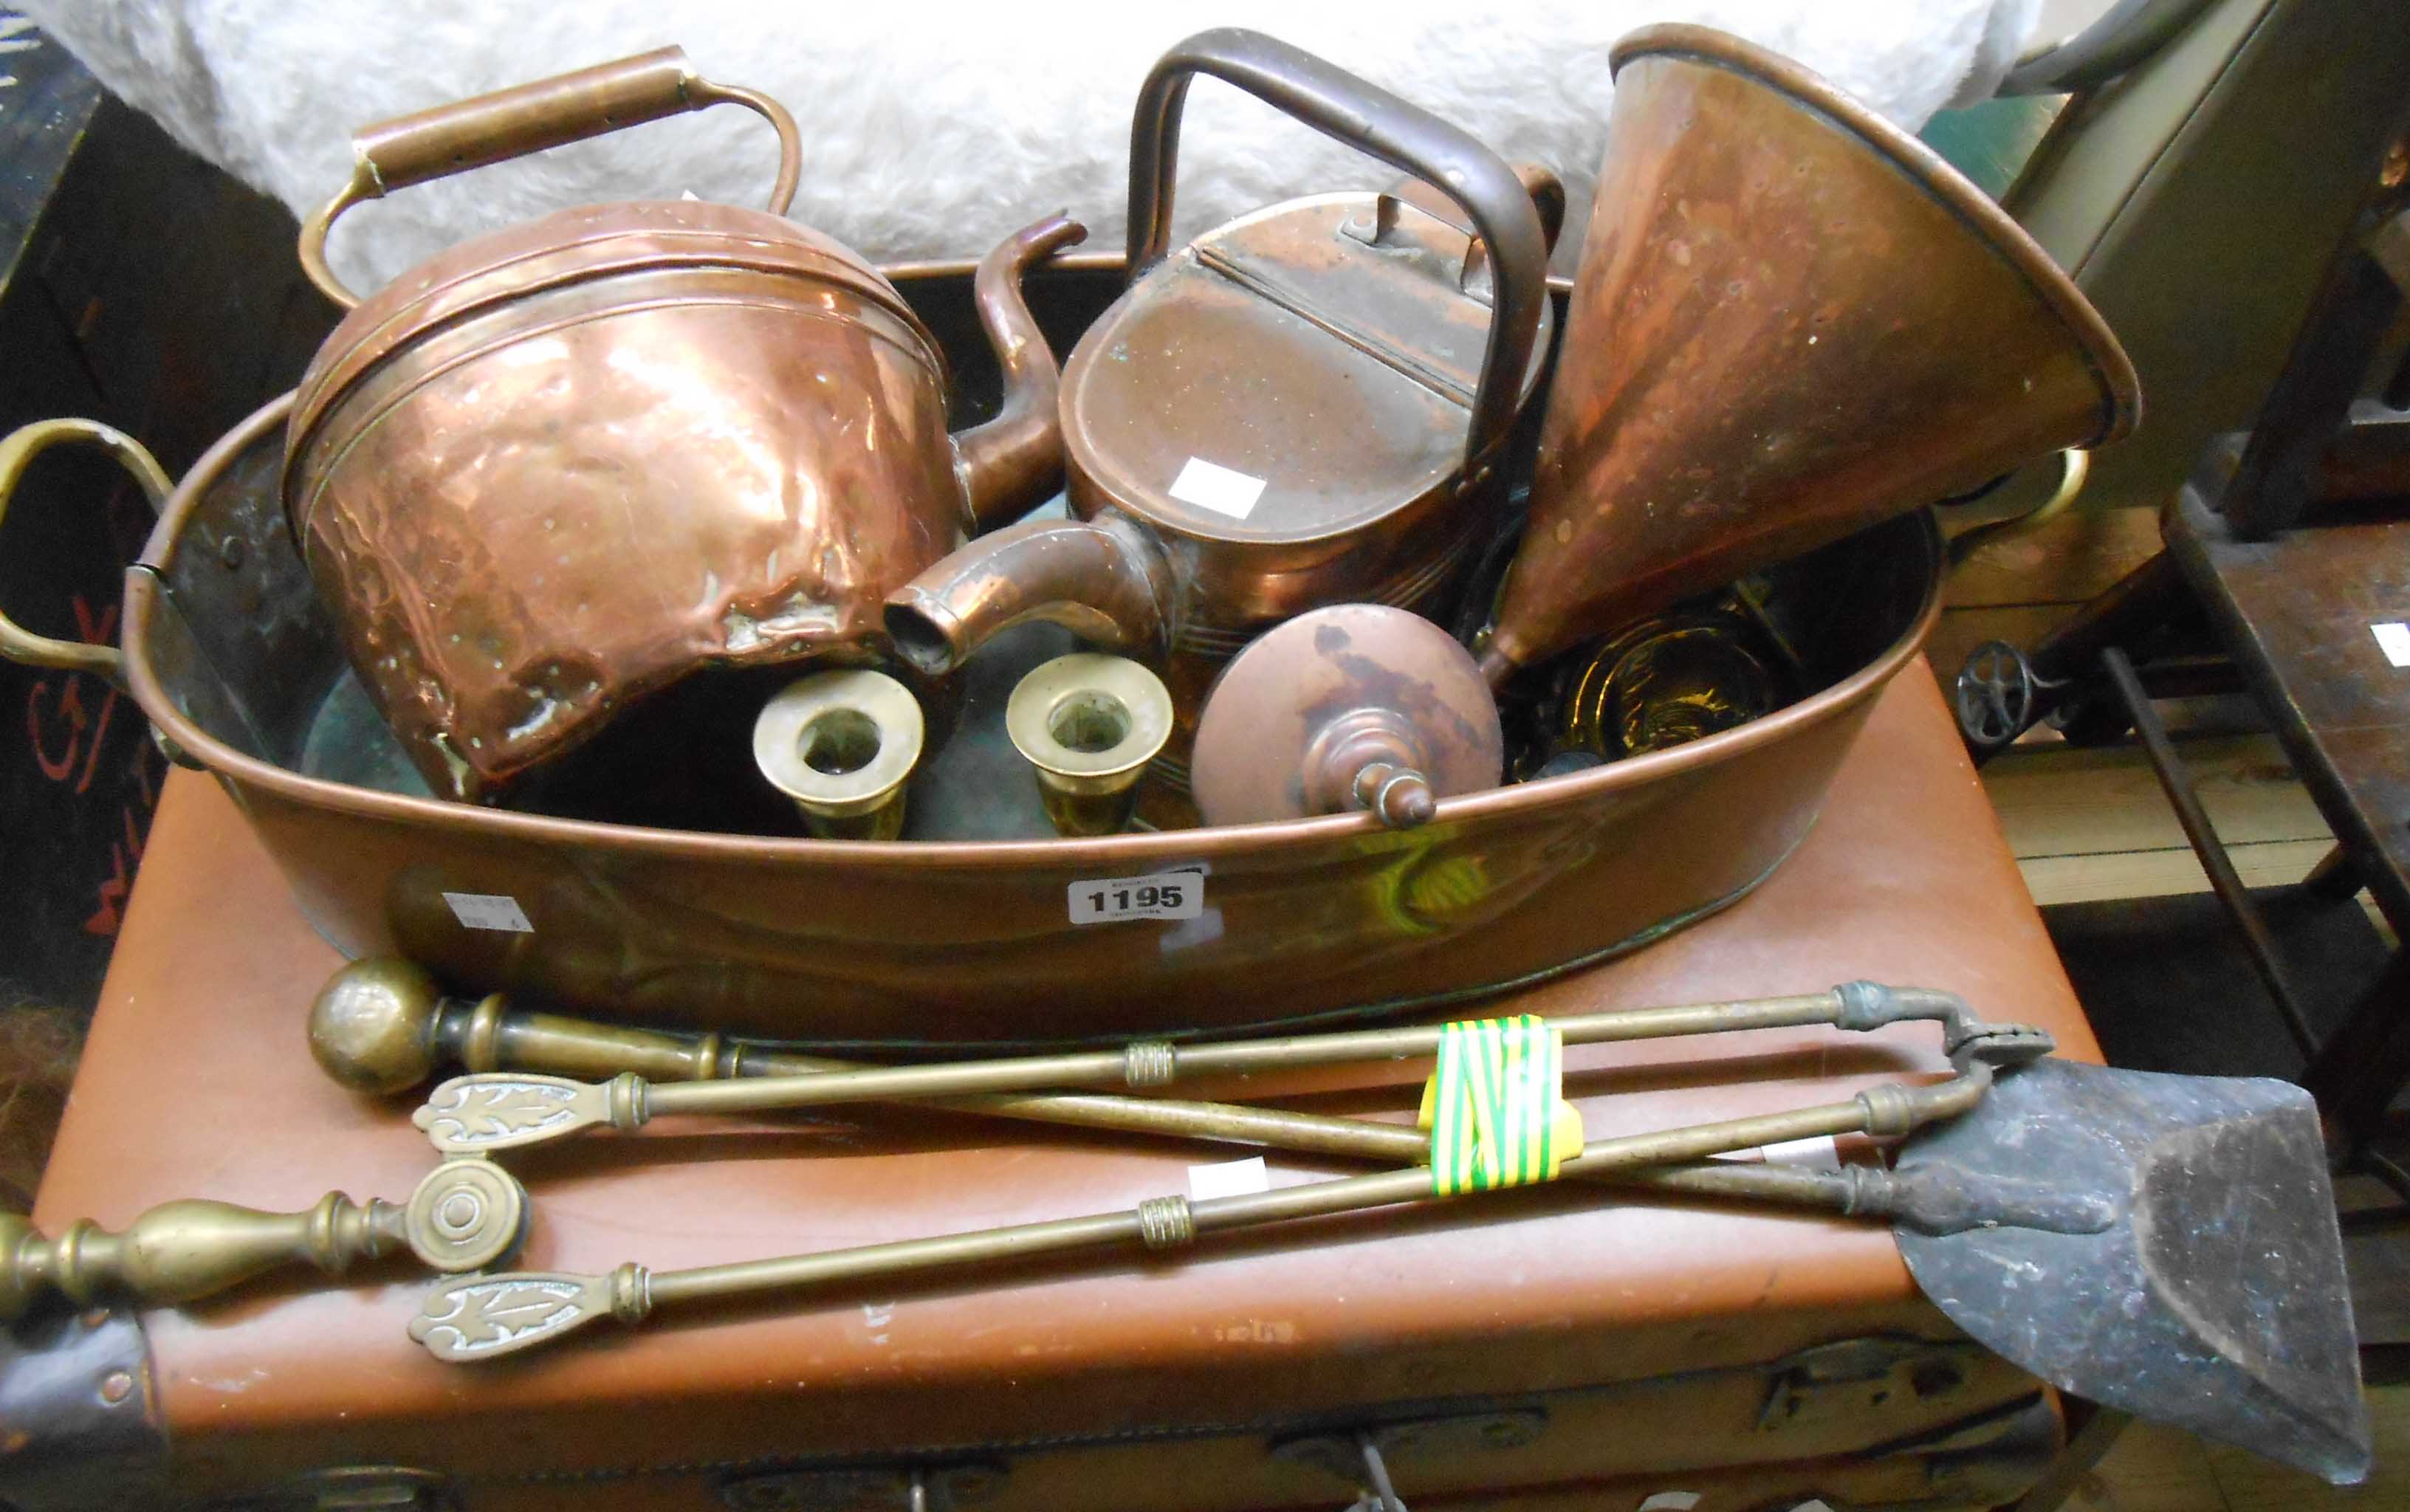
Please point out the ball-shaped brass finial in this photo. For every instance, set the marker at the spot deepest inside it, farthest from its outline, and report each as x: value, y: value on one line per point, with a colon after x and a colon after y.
x: 372, y: 1026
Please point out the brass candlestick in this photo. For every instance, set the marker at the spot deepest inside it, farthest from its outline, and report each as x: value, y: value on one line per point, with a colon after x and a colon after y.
x: 842, y: 745
x: 1087, y: 725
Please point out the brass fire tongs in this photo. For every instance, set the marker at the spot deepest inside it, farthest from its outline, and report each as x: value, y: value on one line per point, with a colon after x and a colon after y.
x: 486, y: 1112
x: 476, y: 1317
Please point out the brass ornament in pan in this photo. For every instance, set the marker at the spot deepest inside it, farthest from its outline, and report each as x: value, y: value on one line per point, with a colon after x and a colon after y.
x: 842, y: 744
x: 1088, y: 724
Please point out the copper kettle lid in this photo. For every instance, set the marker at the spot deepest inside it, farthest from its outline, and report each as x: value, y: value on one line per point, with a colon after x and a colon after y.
x: 1318, y: 359
x: 576, y: 245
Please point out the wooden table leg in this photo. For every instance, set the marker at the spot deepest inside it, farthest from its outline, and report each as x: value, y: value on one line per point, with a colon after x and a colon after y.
x: 2087, y: 1448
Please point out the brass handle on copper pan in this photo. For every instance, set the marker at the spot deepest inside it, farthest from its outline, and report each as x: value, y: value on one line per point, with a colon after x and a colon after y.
x: 530, y: 118
x: 2074, y: 469
x: 1381, y: 126
x: 17, y: 452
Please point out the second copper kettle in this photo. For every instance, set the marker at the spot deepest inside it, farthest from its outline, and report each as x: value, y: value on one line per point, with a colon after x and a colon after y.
x: 558, y: 467
x: 1308, y: 405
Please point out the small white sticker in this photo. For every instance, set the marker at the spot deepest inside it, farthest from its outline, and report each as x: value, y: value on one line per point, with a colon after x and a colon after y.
x: 1168, y: 894
x: 1819, y: 1150
x: 1231, y: 1178
x: 489, y: 910
x: 2393, y: 638
x: 1669, y: 1501
x: 1217, y: 489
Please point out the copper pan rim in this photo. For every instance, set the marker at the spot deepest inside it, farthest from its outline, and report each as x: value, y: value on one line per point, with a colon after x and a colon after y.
x: 1521, y: 800
x: 2110, y: 367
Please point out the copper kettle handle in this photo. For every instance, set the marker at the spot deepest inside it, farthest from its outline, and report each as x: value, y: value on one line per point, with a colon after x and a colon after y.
x: 1381, y: 126
x: 528, y: 118
x: 17, y: 452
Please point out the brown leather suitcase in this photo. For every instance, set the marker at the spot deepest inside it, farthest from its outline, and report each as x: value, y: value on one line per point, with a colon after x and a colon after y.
x: 1553, y: 1348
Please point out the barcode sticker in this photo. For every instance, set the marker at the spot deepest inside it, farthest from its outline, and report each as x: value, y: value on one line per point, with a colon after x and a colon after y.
x: 1169, y: 895
x: 2393, y: 639
x: 489, y: 910
x: 1217, y: 489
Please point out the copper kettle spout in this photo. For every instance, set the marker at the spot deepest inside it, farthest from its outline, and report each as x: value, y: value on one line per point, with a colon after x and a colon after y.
x: 1014, y: 461
x: 1102, y: 579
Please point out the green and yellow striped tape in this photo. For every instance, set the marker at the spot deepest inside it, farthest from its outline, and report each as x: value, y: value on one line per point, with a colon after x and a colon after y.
x: 1495, y: 1108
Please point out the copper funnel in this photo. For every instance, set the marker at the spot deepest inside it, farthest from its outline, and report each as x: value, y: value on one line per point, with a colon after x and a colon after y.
x: 1790, y: 321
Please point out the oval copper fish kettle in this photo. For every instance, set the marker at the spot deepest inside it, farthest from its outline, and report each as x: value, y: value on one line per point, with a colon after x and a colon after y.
x: 906, y: 943
x: 952, y: 941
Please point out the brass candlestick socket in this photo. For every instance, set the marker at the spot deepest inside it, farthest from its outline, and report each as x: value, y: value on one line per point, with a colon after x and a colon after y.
x: 1088, y: 724
x: 1355, y: 705
x: 841, y: 744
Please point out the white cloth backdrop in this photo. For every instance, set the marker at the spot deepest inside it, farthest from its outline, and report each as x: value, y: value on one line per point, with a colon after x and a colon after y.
x: 935, y: 128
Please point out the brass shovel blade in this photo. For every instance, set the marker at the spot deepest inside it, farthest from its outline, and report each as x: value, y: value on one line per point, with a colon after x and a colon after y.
x: 2216, y: 1303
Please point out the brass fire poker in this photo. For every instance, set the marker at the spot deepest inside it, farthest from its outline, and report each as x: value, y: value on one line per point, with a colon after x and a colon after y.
x: 494, y: 1111
x: 383, y: 1026
x: 477, y: 1317
x: 465, y: 1214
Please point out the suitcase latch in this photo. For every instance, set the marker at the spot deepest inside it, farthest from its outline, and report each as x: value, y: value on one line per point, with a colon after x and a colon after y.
x: 1853, y: 1377
x: 1361, y: 1456
x: 865, y: 1489
x: 353, y: 1488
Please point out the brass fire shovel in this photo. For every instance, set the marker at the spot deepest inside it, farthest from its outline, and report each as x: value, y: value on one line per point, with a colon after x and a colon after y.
x: 2210, y: 1294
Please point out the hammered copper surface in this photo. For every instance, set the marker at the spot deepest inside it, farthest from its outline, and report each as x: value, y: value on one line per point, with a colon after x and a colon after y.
x: 1790, y: 320
x: 560, y: 468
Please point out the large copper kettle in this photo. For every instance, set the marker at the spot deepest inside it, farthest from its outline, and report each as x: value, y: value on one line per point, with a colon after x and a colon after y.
x: 1309, y: 405
x: 558, y: 467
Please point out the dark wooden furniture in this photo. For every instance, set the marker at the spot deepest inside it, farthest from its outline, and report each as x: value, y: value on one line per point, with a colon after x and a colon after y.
x: 2286, y: 548
x: 139, y: 286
